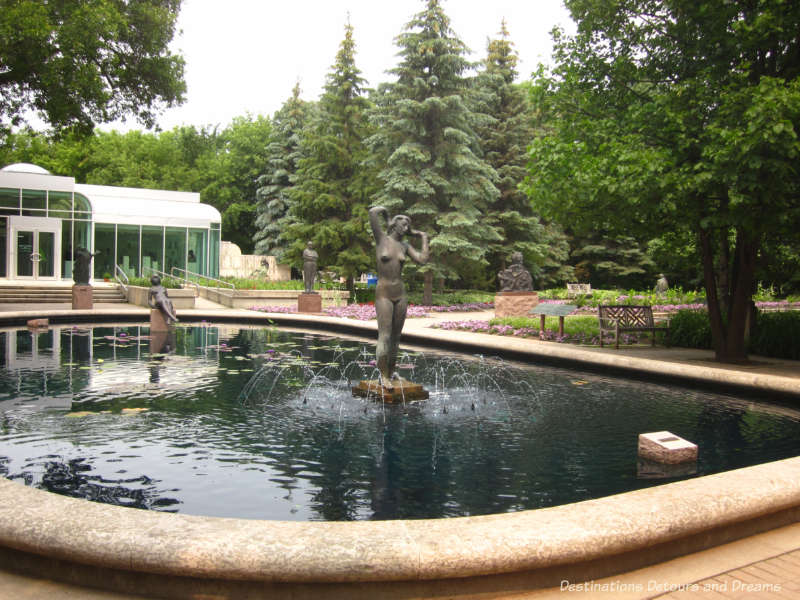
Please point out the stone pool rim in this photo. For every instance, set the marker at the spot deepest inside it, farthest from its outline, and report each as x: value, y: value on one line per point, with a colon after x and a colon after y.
x: 177, y: 555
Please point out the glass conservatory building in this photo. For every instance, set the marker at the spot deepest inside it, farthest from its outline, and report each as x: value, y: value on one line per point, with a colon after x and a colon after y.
x: 44, y: 218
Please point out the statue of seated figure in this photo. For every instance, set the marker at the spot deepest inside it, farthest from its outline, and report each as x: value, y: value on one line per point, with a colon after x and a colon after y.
x: 158, y: 298
x: 516, y: 277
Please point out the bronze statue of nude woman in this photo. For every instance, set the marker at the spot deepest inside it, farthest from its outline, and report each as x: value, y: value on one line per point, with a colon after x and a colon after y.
x: 391, y: 302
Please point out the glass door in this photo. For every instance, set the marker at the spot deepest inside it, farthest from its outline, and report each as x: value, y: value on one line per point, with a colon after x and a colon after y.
x: 36, y: 246
x: 25, y: 254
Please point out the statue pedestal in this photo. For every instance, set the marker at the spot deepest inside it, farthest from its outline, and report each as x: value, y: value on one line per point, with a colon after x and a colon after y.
x: 82, y: 297
x: 514, y: 304
x: 309, y: 303
x: 162, y: 342
x: 399, y: 390
x: 158, y: 321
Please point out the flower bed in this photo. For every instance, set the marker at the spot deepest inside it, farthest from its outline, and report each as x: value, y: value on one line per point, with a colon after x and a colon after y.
x: 672, y: 308
x: 366, y: 312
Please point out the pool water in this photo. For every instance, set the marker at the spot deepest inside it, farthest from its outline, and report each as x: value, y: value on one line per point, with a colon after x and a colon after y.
x: 260, y: 423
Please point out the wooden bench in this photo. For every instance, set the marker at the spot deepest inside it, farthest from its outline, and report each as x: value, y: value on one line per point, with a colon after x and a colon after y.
x: 616, y: 319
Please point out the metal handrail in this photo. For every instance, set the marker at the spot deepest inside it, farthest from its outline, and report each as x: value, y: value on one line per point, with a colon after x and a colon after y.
x: 123, y: 284
x: 188, y: 274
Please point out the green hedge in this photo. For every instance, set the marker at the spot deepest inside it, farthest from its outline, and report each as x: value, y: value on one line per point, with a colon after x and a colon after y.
x: 776, y: 334
x: 167, y: 282
x: 453, y: 297
x: 690, y: 329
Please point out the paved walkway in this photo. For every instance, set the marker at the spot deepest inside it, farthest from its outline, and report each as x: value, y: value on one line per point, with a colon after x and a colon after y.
x: 761, y: 566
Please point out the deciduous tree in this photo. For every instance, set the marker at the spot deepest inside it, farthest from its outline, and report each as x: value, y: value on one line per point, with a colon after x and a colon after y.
x: 75, y: 64
x: 669, y: 115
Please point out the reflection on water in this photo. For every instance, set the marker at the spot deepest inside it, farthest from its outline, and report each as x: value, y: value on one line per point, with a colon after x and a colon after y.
x: 260, y: 423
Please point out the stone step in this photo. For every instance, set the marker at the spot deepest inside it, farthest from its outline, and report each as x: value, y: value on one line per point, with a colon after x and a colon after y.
x: 55, y: 294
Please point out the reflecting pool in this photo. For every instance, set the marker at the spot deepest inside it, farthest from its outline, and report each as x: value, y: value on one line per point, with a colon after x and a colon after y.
x: 260, y: 423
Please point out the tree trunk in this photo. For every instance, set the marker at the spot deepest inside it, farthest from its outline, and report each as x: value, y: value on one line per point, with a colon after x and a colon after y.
x: 723, y: 271
x: 729, y: 325
x: 427, y: 290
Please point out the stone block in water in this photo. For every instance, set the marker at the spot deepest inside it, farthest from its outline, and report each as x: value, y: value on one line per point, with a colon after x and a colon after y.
x: 665, y: 447
x: 399, y: 390
x: 649, y: 469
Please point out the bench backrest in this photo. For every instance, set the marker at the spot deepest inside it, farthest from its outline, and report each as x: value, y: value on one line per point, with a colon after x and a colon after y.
x: 628, y: 316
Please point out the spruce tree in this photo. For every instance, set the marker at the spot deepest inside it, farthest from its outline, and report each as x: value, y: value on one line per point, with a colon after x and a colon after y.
x: 430, y: 152
x: 283, y: 151
x: 332, y: 187
x: 505, y: 138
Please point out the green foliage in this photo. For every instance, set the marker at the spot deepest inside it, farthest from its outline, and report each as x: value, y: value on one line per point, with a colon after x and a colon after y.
x: 610, y: 262
x: 363, y: 294
x: 452, y: 297
x: 690, y: 329
x: 332, y: 186
x: 777, y: 334
x: 228, y: 176
x: 576, y: 326
x: 504, y: 138
x: 221, y: 165
x: 75, y: 64
x: 168, y: 282
x: 428, y: 150
x: 682, y: 117
x: 674, y: 296
x: 283, y: 154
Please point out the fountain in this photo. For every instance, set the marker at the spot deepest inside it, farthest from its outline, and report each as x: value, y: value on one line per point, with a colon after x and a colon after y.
x: 305, y: 385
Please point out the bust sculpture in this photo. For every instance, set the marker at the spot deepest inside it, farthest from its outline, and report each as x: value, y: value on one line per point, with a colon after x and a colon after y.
x: 310, y: 257
x: 516, y: 277
x: 81, y: 271
x: 157, y: 298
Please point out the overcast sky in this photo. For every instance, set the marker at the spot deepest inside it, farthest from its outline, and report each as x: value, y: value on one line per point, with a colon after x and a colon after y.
x: 244, y: 56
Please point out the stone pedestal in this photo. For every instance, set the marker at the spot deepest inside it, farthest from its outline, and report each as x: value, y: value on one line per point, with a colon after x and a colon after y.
x: 309, y: 303
x: 82, y: 297
x: 399, y: 390
x: 157, y: 321
x: 515, y: 304
x: 667, y: 448
x: 162, y: 342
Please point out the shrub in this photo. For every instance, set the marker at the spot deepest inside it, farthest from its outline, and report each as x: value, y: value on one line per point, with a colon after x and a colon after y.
x: 690, y: 329
x: 454, y: 297
x: 167, y: 282
x: 363, y: 294
x: 777, y: 334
